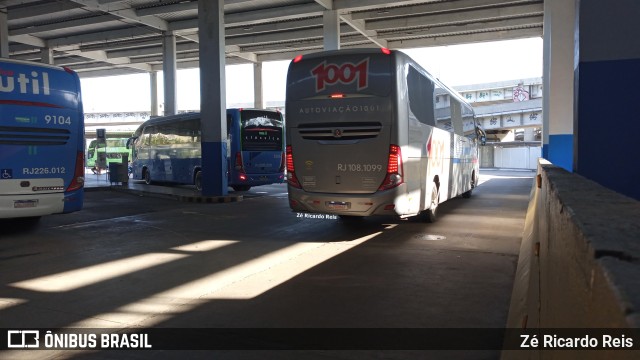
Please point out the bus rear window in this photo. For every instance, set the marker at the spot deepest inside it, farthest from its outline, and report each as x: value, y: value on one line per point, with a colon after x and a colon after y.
x: 261, y: 130
x: 364, y: 74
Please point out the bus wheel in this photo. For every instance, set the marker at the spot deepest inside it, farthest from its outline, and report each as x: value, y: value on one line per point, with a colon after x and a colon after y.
x: 198, y: 180
x: 146, y: 176
x: 241, y: 187
x: 430, y: 213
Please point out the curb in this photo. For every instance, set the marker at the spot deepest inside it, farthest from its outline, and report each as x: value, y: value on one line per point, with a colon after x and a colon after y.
x: 183, y: 198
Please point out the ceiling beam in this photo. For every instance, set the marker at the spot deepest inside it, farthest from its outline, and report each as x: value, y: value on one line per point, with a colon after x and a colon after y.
x: 157, y: 10
x: 449, y: 30
x: 456, y: 17
x: 292, y: 35
x: 76, y: 41
x: 152, y: 50
x: 359, y: 5
x: 439, y: 7
x: 356, y: 24
x: 466, y: 38
x: 50, y: 8
x: 327, y: 4
x: 28, y: 40
x: 100, y: 55
x: 359, y: 25
x: 125, y: 13
x: 273, y: 27
x: 69, y: 24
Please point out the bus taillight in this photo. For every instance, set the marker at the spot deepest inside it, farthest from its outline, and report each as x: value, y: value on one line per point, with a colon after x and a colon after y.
x: 291, y: 173
x: 242, y: 176
x: 239, y: 166
x: 394, y: 169
x: 78, y: 175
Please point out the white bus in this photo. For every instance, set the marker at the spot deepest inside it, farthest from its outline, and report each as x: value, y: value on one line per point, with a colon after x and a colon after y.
x: 370, y: 132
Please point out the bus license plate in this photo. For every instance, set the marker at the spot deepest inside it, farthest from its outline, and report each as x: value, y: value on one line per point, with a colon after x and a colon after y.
x: 337, y: 205
x: 20, y: 204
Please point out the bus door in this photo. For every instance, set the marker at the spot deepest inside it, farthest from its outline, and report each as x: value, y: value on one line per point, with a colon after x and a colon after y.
x: 339, y: 122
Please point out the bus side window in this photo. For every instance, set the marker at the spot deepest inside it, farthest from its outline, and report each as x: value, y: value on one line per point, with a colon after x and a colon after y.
x: 443, y: 114
x: 420, y: 90
x: 456, y: 117
x: 146, y: 136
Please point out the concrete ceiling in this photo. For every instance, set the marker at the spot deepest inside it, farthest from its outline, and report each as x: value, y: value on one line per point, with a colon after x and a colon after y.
x: 112, y: 37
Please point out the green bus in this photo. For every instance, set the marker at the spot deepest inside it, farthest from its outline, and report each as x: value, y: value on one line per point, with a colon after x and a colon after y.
x: 114, y: 149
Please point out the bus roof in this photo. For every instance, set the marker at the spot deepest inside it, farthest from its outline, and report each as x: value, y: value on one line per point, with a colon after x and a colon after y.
x: 39, y: 84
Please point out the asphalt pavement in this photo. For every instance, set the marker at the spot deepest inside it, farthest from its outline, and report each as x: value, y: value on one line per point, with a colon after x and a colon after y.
x: 135, y: 260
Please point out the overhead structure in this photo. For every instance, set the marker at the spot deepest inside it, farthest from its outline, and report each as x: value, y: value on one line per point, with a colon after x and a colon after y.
x: 112, y: 37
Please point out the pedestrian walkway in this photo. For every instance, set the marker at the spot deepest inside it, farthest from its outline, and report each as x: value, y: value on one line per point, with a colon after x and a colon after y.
x: 185, y: 193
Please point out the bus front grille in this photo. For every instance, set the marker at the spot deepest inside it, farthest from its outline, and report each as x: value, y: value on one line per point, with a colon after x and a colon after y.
x: 19, y: 135
x: 340, y: 131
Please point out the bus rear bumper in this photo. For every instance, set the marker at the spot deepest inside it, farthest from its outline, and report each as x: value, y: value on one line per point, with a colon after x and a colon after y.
x: 389, y: 202
x: 17, y: 206
x: 73, y: 201
x: 258, y: 179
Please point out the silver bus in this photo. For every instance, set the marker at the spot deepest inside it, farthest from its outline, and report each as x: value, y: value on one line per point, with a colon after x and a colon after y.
x: 370, y: 132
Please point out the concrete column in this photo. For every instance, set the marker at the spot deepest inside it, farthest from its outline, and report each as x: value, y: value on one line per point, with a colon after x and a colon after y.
x: 46, y: 55
x: 4, y: 34
x: 258, y: 99
x: 606, y: 73
x: 169, y: 69
x: 331, y: 26
x: 153, y: 79
x: 559, y: 22
x: 213, y: 97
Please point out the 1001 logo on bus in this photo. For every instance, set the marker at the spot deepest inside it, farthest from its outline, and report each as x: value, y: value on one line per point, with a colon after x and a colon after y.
x: 347, y: 73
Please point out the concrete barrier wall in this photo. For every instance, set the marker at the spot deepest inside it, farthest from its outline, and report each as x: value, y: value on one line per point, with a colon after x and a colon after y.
x: 579, y: 262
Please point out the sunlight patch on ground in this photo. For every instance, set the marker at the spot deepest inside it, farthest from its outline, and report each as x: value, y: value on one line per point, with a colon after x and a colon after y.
x: 77, y: 278
x: 6, y: 303
x: 243, y: 281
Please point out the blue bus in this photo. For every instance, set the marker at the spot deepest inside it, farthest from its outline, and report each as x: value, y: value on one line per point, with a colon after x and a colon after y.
x: 168, y: 149
x: 256, y: 147
x: 41, y: 140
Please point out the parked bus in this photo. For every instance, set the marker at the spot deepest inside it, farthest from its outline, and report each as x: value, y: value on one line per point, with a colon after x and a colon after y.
x: 370, y: 132
x: 256, y: 147
x: 41, y: 140
x: 114, y: 150
x: 168, y: 149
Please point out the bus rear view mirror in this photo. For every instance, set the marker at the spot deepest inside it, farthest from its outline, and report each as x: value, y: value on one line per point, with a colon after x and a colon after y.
x: 130, y: 140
